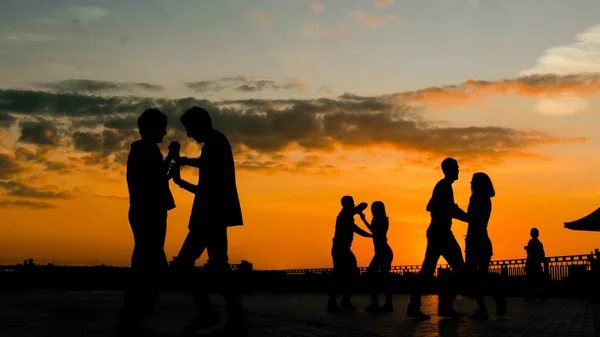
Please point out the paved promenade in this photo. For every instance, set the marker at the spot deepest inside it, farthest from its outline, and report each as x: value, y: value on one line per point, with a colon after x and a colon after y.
x: 93, y: 314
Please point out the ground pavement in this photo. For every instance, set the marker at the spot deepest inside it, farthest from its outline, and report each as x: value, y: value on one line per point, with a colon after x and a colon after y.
x: 94, y: 314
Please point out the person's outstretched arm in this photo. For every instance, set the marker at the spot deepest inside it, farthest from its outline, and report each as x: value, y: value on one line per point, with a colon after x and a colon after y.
x: 362, y: 232
x: 364, y: 219
x: 182, y: 183
x: 459, y: 214
x: 193, y: 162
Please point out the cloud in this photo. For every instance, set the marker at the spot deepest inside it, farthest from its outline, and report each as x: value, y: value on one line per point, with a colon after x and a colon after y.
x: 6, y: 120
x: 271, y: 127
x: 562, y: 105
x: 93, y: 86
x: 317, y: 7
x: 335, y: 33
x: 17, y: 189
x: 8, y: 167
x: 279, y: 162
x: 311, y: 27
x: 261, y: 18
x: 25, y: 204
x: 41, y: 156
x: 86, y: 14
x: 372, y: 19
x: 582, y: 56
x: 384, y: 3
x: 536, y: 86
x: 42, y: 132
x: 243, y: 84
x: 103, y: 143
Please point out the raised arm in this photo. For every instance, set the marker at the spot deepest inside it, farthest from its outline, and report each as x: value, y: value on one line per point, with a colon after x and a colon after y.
x: 364, y: 219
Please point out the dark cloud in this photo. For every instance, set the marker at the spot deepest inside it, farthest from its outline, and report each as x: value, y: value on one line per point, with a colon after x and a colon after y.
x: 17, y: 189
x: 241, y: 84
x: 104, y: 143
x: 278, y: 162
x: 25, y: 204
x: 39, y: 132
x: 6, y: 120
x: 93, y: 86
x: 8, y: 167
x: 40, y: 156
x: 272, y: 126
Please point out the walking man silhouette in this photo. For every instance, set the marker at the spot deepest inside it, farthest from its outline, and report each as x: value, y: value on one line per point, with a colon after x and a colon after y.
x: 441, y: 242
x: 216, y: 207
x: 149, y: 200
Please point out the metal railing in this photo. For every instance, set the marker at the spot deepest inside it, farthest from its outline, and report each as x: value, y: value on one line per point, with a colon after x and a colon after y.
x: 558, y: 267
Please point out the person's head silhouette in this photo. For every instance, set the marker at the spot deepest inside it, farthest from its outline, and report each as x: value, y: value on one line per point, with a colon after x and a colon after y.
x: 534, y: 232
x: 481, y: 184
x: 347, y: 202
x: 152, y: 125
x: 450, y: 168
x: 378, y: 209
x: 197, y: 123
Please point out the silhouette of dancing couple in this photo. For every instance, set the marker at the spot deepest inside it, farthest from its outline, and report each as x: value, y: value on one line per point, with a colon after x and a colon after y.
x: 216, y: 207
x: 472, y: 271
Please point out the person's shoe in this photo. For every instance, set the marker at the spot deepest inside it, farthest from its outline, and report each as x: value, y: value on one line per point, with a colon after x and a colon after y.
x: 501, y: 306
x: 232, y: 329
x: 347, y: 306
x: 417, y: 314
x: 373, y: 308
x: 202, y: 323
x: 480, y: 315
x: 388, y: 307
x: 449, y: 313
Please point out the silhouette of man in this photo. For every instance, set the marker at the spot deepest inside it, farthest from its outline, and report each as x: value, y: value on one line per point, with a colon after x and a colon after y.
x: 149, y: 201
x: 533, y: 266
x: 345, y: 269
x: 216, y: 207
x: 441, y: 242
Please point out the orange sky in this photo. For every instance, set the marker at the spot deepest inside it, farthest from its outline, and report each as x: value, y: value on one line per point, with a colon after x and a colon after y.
x: 289, y: 217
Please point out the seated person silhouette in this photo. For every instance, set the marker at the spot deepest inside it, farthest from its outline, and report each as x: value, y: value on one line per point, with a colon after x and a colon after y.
x: 149, y: 200
x: 382, y: 260
x: 441, y: 242
x: 534, y: 264
x: 345, y: 268
x: 216, y: 207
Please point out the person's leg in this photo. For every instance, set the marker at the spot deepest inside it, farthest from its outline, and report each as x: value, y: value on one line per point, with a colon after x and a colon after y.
x: 220, y: 270
x: 453, y: 255
x: 372, y: 274
x: 432, y: 255
x: 352, y: 273
x: 144, y: 267
x: 496, y: 287
x: 191, y: 278
x: 387, y: 281
x: 159, y: 260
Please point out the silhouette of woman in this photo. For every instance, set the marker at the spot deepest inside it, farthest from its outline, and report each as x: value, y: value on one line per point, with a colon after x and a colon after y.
x: 478, y: 252
x: 382, y: 261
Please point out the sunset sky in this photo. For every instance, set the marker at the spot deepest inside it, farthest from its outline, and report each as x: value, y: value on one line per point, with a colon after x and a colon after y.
x: 319, y: 100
